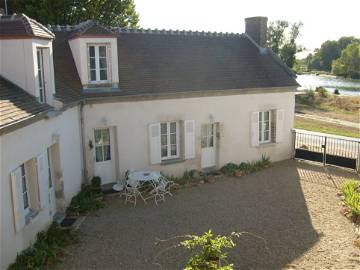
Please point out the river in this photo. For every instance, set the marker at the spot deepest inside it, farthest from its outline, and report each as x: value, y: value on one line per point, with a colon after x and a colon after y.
x: 346, y: 87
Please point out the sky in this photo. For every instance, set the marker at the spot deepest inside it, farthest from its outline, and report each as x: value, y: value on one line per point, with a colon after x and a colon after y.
x: 323, y: 20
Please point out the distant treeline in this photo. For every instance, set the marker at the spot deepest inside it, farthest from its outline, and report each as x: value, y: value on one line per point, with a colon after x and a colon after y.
x: 340, y: 57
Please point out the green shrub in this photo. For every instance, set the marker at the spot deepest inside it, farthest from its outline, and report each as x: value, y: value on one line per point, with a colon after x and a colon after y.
x: 96, y: 183
x: 322, y: 92
x: 351, y: 192
x: 229, y: 168
x: 46, y: 250
x: 87, y: 200
x: 251, y: 167
x: 207, y: 251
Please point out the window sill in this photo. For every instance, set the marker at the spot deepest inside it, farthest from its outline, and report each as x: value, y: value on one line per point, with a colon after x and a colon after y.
x: 172, y: 161
x: 268, y: 144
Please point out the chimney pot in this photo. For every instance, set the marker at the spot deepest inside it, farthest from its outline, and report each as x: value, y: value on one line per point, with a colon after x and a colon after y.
x: 256, y: 28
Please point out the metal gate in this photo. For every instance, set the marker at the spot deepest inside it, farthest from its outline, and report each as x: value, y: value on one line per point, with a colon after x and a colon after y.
x: 328, y: 150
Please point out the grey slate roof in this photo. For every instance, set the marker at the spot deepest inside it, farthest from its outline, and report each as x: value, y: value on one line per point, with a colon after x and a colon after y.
x: 21, y: 26
x: 153, y: 62
x: 17, y: 105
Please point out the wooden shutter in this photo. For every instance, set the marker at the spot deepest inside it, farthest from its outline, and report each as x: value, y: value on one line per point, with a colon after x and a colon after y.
x: 17, y: 198
x: 189, y: 131
x: 254, y: 120
x: 155, y: 143
x: 279, y: 125
x: 43, y: 181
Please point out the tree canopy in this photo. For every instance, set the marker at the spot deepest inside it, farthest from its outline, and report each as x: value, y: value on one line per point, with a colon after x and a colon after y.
x: 120, y: 13
x: 281, y: 38
x: 329, y: 51
x: 348, y: 64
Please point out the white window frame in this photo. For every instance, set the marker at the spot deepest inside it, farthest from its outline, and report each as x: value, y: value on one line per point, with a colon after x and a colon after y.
x: 168, y: 145
x: 97, y: 62
x: 262, y: 127
x: 25, y: 190
x: 103, y: 145
x: 41, y: 74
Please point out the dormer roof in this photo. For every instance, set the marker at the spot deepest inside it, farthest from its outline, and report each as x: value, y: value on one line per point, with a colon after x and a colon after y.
x: 20, y: 26
x: 90, y: 28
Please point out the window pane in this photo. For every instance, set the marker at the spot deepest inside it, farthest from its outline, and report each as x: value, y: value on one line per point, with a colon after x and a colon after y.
x: 211, y: 129
x: 164, y: 151
x: 163, y: 139
x: 266, y: 115
x: 163, y: 128
x: 172, y: 138
x: 26, y: 200
x: 103, y: 75
x: 99, y: 153
x: 97, y: 134
x: 172, y: 127
x: 203, y: 130
x: 107, y: 152
x: 211, y: 141
x: 267, y: 125
x: 173, y: 150
x: 92, y: 51
x: 260, y: 130
x: 106, y: 136
x: 266, y: 135
x: 260, y: 116
x: 92, y: 75
x: 102, y: 51
x: 102, y: 63
x: 92, y: 63
x: 203, y: 142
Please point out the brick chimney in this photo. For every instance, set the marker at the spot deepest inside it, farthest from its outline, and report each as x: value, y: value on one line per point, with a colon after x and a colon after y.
x: 256, y: 28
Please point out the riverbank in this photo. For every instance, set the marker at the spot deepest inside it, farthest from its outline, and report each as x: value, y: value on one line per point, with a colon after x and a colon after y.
x: 314, y: 113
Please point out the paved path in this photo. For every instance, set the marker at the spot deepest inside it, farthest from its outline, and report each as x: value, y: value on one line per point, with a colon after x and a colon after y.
x: 292, y: 205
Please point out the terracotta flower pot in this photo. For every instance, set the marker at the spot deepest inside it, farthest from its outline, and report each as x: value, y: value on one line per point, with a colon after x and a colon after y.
x: 210, y: 178
x: 238, y: 173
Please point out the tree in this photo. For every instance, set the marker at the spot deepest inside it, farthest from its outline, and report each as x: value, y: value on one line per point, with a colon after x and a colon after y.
x: 349, y: 62
x: 329, y: 51
x: 282, y: 40
x: 119, y: 13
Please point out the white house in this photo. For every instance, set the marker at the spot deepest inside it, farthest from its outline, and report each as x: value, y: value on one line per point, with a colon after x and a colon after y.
x: 85, y: 100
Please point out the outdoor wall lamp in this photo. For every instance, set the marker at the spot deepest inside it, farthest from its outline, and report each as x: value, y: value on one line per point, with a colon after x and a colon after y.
x: 91, y: 146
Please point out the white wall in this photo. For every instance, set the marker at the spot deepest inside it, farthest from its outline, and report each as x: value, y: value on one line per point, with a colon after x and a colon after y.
x: 79, y: 51
x: 19, y: 65
x: 18, y: 147
x: 232, y: 112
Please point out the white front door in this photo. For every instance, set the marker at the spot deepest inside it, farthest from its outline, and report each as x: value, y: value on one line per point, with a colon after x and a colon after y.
x: 52, y: 197
x: 208, y: 146
x: 104, y: 155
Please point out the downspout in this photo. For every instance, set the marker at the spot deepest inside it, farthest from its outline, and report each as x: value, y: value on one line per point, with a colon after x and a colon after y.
x: 82, y: 135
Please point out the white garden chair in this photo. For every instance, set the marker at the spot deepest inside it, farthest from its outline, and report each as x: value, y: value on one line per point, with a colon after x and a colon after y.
x: 131, y: 193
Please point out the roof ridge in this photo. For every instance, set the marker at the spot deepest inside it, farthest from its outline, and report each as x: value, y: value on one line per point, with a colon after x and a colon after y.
x: 70, y: 28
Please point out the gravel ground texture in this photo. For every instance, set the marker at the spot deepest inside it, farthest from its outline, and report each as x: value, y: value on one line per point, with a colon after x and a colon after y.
x: 290, y: 211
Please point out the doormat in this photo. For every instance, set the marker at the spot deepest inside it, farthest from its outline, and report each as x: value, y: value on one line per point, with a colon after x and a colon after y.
x: 67, y: 222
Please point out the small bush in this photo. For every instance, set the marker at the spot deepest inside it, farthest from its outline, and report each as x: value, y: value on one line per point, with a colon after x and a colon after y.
x: 251, y: 167
x: 208, y: 251
x: 96, y: 183
x: 351, y: 192
x: 322, y: 92
x: 87, y: 200
x: 229, y: 169
x: 46, y: 250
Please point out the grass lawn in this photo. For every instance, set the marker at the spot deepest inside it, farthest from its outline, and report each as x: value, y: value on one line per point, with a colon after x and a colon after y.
x: 319, y: 126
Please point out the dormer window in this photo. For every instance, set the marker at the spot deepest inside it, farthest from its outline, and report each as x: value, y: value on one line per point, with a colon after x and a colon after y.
x: 98, y: 63
x: 41, y: 80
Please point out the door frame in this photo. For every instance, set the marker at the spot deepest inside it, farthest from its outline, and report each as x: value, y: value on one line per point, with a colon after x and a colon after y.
x: 214, y: 148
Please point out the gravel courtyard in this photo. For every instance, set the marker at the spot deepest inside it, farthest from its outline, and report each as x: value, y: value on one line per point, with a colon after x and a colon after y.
x: 291, y: 207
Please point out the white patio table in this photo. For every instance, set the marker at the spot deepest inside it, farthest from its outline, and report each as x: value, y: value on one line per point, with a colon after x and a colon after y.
x: 139, y: 177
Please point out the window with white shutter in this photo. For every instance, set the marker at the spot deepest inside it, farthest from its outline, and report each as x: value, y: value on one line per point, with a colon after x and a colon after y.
x: 154, y: 142
x: 18, y: 198
x: 189, y: 131
x: 280, y: 114
x: 254, y: 120
x: 169, y: 132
